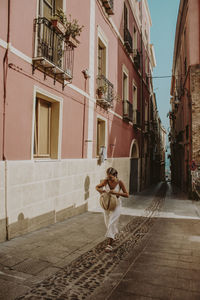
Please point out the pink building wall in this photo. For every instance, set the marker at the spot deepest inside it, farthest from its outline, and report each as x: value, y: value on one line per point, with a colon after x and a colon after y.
x: 19, y: 135
x: 193, y: 31
x: 53, y: 189
x: 20, y: 84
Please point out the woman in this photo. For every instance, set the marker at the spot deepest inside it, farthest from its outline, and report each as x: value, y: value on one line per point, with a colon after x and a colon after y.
x: 116, y: 187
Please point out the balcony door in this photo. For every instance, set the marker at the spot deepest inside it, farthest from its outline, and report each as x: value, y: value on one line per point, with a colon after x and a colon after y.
x: 48, y: 8
x: 134, y: 104
x: 101, y: 58
x: 125, y: 16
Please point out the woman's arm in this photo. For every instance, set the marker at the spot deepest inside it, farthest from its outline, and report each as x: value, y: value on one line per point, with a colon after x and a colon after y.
x: 124, y: 192
x: 100, y: 186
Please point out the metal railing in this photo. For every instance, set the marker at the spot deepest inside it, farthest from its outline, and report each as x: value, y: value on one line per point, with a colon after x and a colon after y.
x: 127, y: 110
x: 51, y: 46
x: 136, y: 59
x: 128, y: 41
x: 104, y: 90
x: 136, y: 117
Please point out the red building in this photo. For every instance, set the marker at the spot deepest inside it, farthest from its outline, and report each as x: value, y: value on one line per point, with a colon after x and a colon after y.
x: 69, y: 109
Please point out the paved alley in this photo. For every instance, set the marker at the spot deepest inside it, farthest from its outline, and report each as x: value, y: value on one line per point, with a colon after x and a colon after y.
x: 156, y: 255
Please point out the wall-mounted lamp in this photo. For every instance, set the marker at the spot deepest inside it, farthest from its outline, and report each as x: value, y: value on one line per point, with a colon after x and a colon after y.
x: 86, y: 73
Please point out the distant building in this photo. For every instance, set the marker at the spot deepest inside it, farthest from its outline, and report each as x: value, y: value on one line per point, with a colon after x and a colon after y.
x: 185, y: 90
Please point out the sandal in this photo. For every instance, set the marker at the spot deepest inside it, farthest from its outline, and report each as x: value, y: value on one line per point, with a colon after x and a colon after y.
x: 109, y: 248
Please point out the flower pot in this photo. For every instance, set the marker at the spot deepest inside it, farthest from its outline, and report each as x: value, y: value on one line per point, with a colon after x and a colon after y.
x: 58, y: 26
x: 73, y: 42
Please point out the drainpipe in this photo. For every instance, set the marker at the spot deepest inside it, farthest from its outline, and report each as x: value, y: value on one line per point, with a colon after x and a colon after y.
x: 83, y: 134
x: 190, y: 127
x: 5, y: 73
x: 141, y: 105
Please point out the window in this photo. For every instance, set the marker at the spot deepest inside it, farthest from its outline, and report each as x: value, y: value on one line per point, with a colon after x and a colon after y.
x: 101, y: 135
x: 48, y: 8
x: 146, y: 113
x: 46, y: 128
x: 135, y: 105
x: 134, y: 97
x: 134, y: 38
x: 101, y: 58
x: 125, y: 86
x: 146, y: 64
x: 125, y: 16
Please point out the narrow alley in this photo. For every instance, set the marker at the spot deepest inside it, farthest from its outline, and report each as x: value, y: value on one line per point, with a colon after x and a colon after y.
x: 156, y: 255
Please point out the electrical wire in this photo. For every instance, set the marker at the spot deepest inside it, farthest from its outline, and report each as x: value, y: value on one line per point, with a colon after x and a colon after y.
x: 166, y: 76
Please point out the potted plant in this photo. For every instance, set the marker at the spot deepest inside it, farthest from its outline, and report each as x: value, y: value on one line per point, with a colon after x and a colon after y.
x: 73, y: 29
x: 59, y: 21
x: 101, y: 90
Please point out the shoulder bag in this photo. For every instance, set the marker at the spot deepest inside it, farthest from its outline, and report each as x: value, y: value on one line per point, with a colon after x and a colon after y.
x: 108, y: 201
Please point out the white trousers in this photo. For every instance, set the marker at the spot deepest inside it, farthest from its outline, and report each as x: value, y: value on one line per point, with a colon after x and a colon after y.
x: 111, y: 221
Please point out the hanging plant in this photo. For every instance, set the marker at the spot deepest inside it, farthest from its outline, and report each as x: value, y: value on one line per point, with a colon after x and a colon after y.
x: 73, y: 29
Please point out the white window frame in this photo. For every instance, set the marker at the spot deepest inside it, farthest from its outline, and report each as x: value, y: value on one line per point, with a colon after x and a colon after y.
x: 127, y: 15
x: 135, y: 37
x: 135, y: 96
x: 126, y: 72
x: 45, y: 95
x: 42, y: 10
x: 101, y: 35
x: 99, y: 117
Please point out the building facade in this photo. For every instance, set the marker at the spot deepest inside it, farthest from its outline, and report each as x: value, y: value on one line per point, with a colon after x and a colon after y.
x: 71, y: 107
x: 185, y: 90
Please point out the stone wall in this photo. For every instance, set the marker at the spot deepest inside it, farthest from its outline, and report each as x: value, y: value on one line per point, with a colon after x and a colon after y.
x: 40, y: 193
x: 195, y: 96
x: 2, y: 202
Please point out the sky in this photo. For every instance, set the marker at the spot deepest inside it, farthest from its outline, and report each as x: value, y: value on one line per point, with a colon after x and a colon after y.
x: 164, y: 16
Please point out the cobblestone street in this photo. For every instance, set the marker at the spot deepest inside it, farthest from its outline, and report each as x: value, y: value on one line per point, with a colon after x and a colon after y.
x: 156, y: 255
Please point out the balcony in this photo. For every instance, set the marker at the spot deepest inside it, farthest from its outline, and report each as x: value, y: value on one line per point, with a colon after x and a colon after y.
x: 180, y: 137
x: 104, y: 91
x: 109, y: 6
x: 136, y: 58
x: 127, y: 110
x: 146, y: 127
x: 52, y: 54
x: 136, y: 118
x: 128, y: 41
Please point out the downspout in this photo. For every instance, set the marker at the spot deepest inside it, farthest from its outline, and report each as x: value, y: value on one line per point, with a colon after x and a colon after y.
x: 83, y: 134
x: 5, y: 74
x: 190, y: 127
x: 141, y: 107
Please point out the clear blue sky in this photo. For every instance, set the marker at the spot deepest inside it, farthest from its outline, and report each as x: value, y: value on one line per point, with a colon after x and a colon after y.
x: 164, y: 16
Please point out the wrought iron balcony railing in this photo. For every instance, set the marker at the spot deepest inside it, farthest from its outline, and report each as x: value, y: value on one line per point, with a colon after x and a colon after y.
x: 127, y: 110
x: 136, y: 117
x: 104, y: 91
x: 109, y: 6
x: 52, y: 54
x: 136, y: 59
x: 128, y: 41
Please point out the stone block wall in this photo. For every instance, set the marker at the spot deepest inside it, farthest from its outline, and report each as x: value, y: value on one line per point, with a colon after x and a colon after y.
x: 195, y: 96
x: 2, y: 202
x: 39, y: 193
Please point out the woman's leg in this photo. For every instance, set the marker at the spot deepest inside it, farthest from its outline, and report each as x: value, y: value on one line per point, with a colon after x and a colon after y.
x: 112, y: 223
